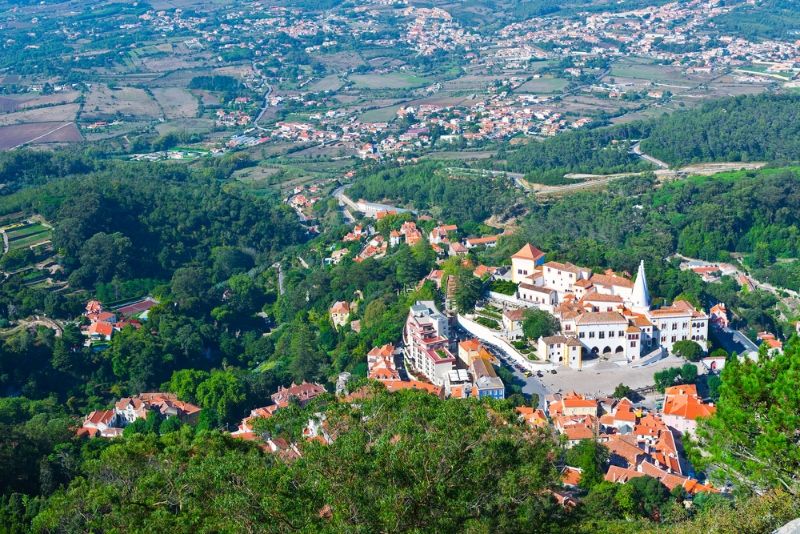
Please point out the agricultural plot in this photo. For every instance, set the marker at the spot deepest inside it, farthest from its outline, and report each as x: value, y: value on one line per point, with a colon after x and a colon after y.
x: 9, y: 105
x: 103, y: 102
x: 393, y: 80
x: 201, y: 126
x: 38, y: 133
x: 543, y: 85
x: 65, y: 97
x: 177, y: 103
x: 25, y: 235
x: 63, y: 113
x: 470, y: 82
x: 380, y: 114
x: 328, y: 83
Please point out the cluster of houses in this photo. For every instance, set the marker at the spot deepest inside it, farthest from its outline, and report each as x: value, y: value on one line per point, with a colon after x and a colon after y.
x: 639, y: 442
x: 443, y: 239
x: 111, y: 423
x: 604, y: 314
x: 430, y: 351
x: 103, y: 323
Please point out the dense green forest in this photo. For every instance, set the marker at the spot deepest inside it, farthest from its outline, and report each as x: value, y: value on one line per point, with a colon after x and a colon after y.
x: 746, y: 128
x: 461, y: 465
x: 769, y: 19
x: 429, y: 187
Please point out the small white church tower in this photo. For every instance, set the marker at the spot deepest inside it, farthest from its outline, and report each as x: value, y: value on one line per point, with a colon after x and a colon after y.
x: 640, y: 298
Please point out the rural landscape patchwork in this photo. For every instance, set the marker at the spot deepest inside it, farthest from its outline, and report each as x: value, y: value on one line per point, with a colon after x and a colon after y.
x: 485, y: 266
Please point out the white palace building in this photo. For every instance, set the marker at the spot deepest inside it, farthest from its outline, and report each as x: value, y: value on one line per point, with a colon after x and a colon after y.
x: 600, y: 314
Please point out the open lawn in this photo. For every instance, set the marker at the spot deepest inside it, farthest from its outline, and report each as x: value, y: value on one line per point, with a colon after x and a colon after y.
x: 393, y: 80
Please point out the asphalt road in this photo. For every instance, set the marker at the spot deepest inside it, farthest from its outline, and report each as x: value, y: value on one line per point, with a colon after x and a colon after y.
x: 733, y: 340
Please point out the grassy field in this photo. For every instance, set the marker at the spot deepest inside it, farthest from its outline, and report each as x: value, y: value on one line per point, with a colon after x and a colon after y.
x: 177, y: 103
x: 63, y: 113
x: 328, y: 83
x: 393, y: 80
x: 103, y: 102
x: 380, y: 114
x: 544, y: 85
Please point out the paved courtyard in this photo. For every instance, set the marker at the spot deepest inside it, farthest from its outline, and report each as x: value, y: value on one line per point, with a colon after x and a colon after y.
x: 601, y: 378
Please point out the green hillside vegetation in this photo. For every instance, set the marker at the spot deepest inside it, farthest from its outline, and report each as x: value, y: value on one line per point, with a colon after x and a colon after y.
x: 746, y: 128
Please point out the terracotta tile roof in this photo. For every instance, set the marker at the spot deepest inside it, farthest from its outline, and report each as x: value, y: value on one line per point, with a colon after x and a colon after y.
x: 470, y: 344
x: 529, y: 252
x: 601, y: 318
x: 578, y: 432
x: 533, y: 416
x: 611, y: 280
x: 683, y: 401
x: 625, y: 448
x: 537, y: 289
x: 514, y: 315
x: 302, y: 392
x: 475, y: 241
x: 340, y: 306
x: 101, y: 328
x: 398, y: 385
x: 594, y: 296
x: 571, y: 476
x: 99, y: 416
x: 566, y: 267
x: 621, y: 474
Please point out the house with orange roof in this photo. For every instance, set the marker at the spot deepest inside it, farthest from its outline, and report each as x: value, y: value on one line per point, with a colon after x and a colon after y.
x: 672, y: 481
x: 534, y: 417
x: 483, y: 271
x: 441, y: 234
x: 524, y: 262
x: 103, y: 423
x: 683, y: 407
x: 110, y: 423
x: 621, y: 475
x: 571, y: 476
x: 622, y: 418
x: 380, y: 364
x: 489, y: 241
x: 303, y: 393
x: 468, y: 350
x: 245, y: 429
x: 576, y: 428
x: 573, y: 404
x: 719, y: 315
x: 512, y: 320
x: 773, y: 344
x: 340, y: 313
x: 624, y: 451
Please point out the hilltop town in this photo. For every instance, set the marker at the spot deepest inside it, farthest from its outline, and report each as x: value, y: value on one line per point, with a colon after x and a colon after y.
x: 399, y: 266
